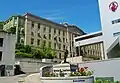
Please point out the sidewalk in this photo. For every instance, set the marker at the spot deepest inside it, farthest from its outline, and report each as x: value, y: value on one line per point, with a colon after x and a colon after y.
x: 13, y: 79
x: 33, y: 78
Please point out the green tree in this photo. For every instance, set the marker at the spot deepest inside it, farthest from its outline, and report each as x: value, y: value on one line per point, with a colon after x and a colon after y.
x: 12, y: 29
x: 1, y: 25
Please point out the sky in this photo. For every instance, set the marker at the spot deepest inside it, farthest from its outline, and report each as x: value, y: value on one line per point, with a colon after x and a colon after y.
x: 83, y: 13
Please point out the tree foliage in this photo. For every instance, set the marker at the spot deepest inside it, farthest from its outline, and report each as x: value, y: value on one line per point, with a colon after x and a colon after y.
x: 12, y: 29
x: 1, y: 25
x: 34, y: 52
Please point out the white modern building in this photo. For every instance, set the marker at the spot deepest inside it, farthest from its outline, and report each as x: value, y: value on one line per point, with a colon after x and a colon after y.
x: 7, y: 53
x: 110, y: 21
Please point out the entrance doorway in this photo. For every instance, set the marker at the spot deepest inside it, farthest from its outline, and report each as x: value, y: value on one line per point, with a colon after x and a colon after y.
x: 2, y: 70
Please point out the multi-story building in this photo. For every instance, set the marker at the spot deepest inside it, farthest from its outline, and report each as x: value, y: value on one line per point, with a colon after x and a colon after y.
x: 7, y: 53
x: 36, y: 31
x: 90, y: 46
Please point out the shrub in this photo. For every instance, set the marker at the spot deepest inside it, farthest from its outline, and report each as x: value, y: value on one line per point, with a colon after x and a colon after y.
x: 21, y: 54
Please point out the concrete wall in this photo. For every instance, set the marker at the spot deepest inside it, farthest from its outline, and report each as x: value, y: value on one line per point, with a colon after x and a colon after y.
x: 8, y: 52
x: 105, y: 68
x: 31, y: 65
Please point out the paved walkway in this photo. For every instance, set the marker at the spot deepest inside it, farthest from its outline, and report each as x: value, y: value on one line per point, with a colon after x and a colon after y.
x: 33, y: 78
x: 13, y: 79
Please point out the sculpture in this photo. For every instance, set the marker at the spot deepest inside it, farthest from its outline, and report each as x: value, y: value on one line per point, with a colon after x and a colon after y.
x: 65, y: 56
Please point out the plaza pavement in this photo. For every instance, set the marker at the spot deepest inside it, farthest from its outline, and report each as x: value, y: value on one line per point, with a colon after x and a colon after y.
x: 13, y: 79
x: 33, y: 78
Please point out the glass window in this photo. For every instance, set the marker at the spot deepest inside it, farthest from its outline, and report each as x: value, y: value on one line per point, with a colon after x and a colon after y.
x: 44, y: 43
x: 49, y: 44
x: 38, y: 42
x: 32, y: 33
x: 54, y: 45
x: 49, y: 29
x: 32, y: 41
x: 1, y: 42
x: 44, y: 36
x: 38, y: 26
x: 63, y: 47
x: 49, y: 36
x: 59, y: 32
x: 60, y: 40
x: 44, y: 30
x: 59, y: 55
x: 63, y: 40
x: 39, y: 35
x: 0, y: 55
x: 32, y: 25
x: 59, y: 46
x: 54, y: 31
x: 63, y: 33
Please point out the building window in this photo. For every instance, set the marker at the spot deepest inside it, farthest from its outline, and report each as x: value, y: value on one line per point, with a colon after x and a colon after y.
x: 38, y: 42
x: 54, y: 45
x: 32, y: 33
x: 39, y: 35
x: 44, y: 30
x: 54, y: 31
x: 0, y: 55
x: 32, y: 41
x: 49, y: 44
x: 44, y: 36
x: 59, y: 55
x: 70, y: 55
x: 49, y: 29
x: 32, y: 25
x: 55, y: 39
x: 72, y: 43
x: 60, y: 40
x: 63, y: 47
x: 63, y: 33
x: 63, y: 40
x: 49, y: 36
x: 38, y: 26
x: 59, y: 32
x: 59, y: 46
x: 70, y: 48
x: 22, y: 41
x: 1, y: 42
x: 44, y: 43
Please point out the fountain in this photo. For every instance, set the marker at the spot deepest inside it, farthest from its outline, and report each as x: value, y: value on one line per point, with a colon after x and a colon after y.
x: 65, y: 73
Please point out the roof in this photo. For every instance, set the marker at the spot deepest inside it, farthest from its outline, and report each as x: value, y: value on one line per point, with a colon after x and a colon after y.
x: 29, y: 14
x: 94, y: 33
x: 77, y: 28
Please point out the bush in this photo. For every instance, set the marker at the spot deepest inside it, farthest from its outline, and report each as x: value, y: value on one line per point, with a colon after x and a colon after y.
x: 25, y: 55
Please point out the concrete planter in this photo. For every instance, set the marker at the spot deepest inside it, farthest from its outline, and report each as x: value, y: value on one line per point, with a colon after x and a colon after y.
x: 78, y: 79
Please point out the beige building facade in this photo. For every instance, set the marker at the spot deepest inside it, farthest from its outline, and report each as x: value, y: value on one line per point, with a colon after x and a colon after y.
x: 36, y: 31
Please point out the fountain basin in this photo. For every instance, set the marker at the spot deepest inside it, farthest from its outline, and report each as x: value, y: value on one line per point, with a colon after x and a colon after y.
x: 74, y: 79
